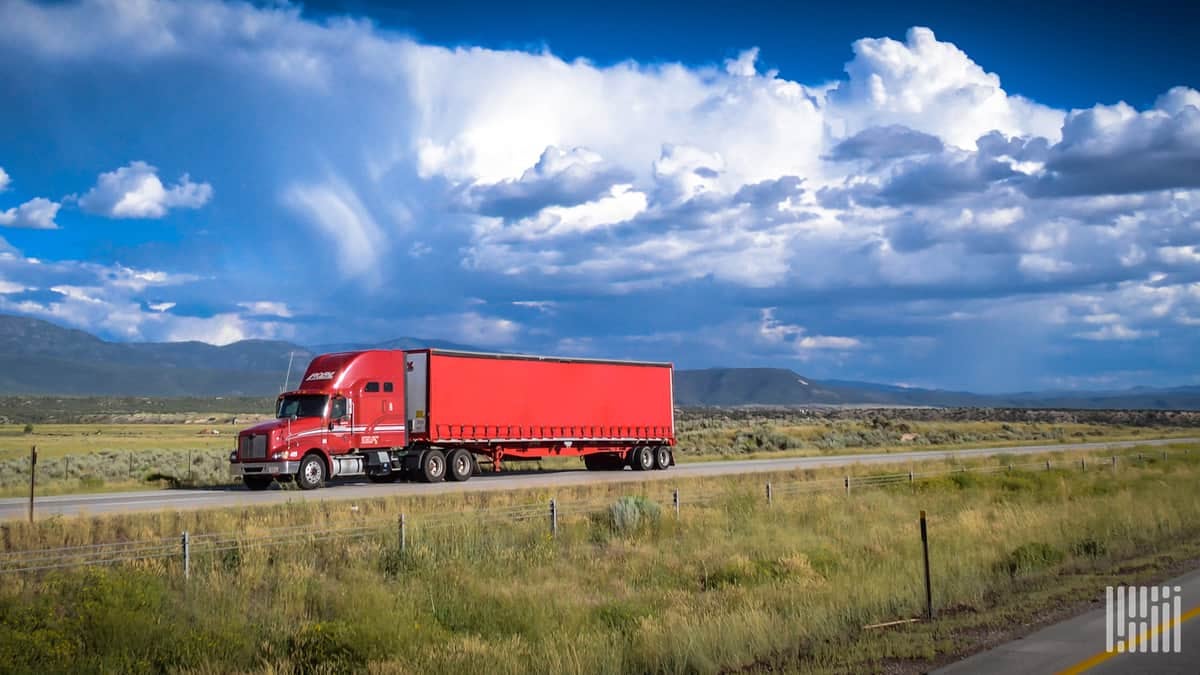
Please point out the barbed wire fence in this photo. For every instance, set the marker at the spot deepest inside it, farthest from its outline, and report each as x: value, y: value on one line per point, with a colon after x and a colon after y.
x: 187, y: 547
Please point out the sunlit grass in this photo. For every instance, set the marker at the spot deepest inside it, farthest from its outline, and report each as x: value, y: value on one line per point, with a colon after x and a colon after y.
x: 732, y: 584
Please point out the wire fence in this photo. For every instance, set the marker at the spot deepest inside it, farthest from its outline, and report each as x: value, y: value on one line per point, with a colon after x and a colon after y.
x: 187, y: 545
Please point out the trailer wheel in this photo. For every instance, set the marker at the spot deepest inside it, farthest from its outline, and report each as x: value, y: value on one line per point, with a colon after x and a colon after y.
x: 312, y: 472
x: 460, y: 466
x: 662, y: 457
x: 642, y: 458
x: 433, y: 466
x: 257, y: 483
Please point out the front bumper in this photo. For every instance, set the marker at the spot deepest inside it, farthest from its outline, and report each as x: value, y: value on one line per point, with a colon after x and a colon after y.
x: 263, y: 468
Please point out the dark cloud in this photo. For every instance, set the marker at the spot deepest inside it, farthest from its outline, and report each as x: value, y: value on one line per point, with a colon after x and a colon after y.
x: 558, y: 179
x: 887, y: 142
x: 1109, y: 151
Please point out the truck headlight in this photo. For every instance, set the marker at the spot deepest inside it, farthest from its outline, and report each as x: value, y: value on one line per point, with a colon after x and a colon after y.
x: 279, y: 455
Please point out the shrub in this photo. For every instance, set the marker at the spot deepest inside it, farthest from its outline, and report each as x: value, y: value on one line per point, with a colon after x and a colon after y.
x: 29, y: 428
x: 327, y: 646
x: 629, y: 515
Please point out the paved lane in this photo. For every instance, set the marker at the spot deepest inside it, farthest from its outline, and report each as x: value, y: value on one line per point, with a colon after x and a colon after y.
x: 155, y: 500
x: 1079, y: 645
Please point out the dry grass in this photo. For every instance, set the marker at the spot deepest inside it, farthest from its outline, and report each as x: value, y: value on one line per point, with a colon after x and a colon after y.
x: 732, y: 585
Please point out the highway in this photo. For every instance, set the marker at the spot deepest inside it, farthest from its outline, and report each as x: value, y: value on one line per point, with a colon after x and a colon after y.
x: 1079, y: 645
x: 235, y: 496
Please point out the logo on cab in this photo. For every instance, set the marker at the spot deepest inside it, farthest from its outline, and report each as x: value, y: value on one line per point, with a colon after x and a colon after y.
x: 322, y: 375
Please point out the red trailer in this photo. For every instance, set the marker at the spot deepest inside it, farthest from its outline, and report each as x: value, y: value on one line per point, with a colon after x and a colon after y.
x: 430, y: 414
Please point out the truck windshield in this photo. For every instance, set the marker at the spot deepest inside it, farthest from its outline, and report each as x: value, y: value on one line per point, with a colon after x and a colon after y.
x: 304, y: 405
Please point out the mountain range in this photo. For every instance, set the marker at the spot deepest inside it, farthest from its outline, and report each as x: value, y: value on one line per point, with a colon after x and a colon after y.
x: 38, y: 357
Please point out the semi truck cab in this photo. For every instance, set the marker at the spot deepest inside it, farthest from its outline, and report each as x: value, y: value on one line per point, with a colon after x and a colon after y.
x: 346, y: 418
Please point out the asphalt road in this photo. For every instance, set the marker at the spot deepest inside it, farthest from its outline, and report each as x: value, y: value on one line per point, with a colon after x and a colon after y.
x: 1079, y: 645
x: 157, y: 500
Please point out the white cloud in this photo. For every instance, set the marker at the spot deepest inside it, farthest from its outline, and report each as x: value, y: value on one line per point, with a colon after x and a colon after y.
x: 774, y: 332
x: 341, y: 217
x: 934, y: 87
x: 161, y: 306
x: 267, y: 308
x: 471, y: 328
x: 37, y: 214
x: 135, y: 191
x: 4, y: 179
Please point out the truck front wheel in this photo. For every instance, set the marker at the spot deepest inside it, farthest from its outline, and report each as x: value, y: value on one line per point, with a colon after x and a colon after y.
x: 461, y: 466
x: 433, y: 466
x: 312, y: 472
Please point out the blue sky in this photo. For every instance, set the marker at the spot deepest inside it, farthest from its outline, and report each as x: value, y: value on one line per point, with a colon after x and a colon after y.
x: 933, y: 195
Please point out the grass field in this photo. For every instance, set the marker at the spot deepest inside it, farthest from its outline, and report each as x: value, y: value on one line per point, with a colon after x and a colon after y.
x: 732, y: 585
x: 100, y: 457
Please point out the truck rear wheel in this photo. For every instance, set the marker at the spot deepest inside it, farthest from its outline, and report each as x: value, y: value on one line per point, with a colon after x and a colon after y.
x: 662, y: 457
x: 312, y: 472
x: 642, y: 458
x: 460, y: 466
x: 257, y: 482
x: 433, y: 466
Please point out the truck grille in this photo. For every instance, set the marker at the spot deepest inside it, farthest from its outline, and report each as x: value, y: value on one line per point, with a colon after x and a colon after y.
x: 252, y: 447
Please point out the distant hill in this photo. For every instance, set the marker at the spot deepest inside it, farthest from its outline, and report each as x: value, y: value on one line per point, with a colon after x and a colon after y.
x: 38, y: 357
x: 781, y: 387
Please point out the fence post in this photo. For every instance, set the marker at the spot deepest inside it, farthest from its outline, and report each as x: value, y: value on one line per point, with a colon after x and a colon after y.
x: 403, y: 532
x: 1083, y: 464
x: 928, y: 586
x: 32, y: 477
x: 847, y: 481
x: 1164, y: 455
x: 187, y: 556
x: 189, y: 466
x: 768, y: 493
x: 1047, y: 465
x: 131, y: 464
x: 67, y: 469
x: 1114, y: 462
x: 553, y: 518
x: 675, y: 502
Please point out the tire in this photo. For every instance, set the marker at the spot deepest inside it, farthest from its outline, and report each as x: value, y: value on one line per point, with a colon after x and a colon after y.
x: 433, y: 466
x: 460, y: 466
x: 257, y: 483
x: 642, y: 458
x: 662, y: 457
x: 312, y: 472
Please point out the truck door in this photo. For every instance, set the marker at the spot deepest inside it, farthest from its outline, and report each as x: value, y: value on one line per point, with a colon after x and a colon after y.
x: 341, y: 425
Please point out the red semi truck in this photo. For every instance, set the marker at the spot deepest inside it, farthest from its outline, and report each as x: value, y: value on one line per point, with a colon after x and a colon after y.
x: 430, y: 414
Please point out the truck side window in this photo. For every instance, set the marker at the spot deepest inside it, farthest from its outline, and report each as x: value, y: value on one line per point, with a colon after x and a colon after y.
x: 338, y: 409
x: 371, y: 387
x: 387, y: 387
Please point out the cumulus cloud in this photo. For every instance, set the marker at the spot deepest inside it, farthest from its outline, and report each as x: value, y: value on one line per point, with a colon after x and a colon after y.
x: 135, y: 191
x: 37, y: 214
x: 687, y: 195
x: 4, y: 179
x: 1116, y: 149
